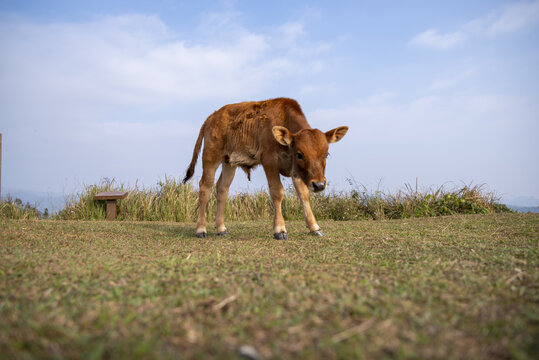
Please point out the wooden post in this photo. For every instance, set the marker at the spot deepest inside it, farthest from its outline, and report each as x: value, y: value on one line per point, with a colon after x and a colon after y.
x: 0, y: 165
x: 111, y: 210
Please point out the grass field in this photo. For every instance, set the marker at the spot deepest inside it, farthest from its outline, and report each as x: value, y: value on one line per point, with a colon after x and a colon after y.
x: 463, y: 286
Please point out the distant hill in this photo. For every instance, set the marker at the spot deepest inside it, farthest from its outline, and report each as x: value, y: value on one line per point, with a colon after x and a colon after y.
x: 41, y: 200
x: 524, y: 209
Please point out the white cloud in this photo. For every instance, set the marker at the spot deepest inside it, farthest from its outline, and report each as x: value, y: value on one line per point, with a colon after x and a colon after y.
x: 512, y: 18
x: 432, y: 39
x: 515, y: 17
x: 292, y: 31
x: 459, y: 137
x: 136, y: 59
x: 444, y: 83
x: 126, y: 89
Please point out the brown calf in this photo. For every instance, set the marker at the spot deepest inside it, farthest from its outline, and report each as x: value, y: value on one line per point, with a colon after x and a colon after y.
x: 273, y: 133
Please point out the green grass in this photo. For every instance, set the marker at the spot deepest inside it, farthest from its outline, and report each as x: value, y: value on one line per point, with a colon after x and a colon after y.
x: 172, y: 201
x: 463, y: 286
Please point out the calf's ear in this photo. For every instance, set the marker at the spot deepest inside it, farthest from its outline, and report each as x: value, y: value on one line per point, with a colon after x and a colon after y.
x: 336, y: 134
x: 282, y: 135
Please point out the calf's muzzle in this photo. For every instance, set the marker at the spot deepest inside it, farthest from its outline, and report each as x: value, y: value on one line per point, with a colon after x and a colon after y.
x: 318, y: 186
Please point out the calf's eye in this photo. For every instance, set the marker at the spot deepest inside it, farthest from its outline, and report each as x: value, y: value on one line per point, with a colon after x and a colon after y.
x: 299, y: 156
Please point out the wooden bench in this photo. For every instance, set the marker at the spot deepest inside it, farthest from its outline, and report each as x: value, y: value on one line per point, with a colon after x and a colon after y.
x: 111, y: 198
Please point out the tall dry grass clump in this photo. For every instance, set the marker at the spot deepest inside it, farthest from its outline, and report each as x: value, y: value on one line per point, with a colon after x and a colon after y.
x: 173, y: 201
x: 170, y: 201
x: 15, y: 209
x: 411, y: 202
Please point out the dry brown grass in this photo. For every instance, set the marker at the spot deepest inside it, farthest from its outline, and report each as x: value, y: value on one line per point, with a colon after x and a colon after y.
x: 463, y: 286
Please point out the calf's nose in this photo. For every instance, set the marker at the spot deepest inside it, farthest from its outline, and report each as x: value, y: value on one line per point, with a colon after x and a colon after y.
x: 319, y: 186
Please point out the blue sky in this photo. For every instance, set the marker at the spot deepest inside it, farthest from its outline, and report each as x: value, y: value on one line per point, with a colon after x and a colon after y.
x: 441, y: 92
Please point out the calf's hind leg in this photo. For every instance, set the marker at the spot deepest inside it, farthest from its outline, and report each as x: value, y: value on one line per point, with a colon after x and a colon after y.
x: 205, y: 186
x: 223, y: 184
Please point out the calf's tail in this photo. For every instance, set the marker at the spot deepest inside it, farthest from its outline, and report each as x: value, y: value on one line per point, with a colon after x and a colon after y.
x: 191, y: 169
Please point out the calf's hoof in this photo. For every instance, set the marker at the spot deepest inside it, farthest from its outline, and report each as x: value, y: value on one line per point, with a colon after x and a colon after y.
x: 223, y: 233
x: 280, y: 236
x: 202, y: 235
x: 317, y: 233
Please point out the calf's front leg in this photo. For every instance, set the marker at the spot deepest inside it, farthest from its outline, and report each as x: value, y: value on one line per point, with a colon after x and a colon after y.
x: 303, y: 193
x: 277, y: 193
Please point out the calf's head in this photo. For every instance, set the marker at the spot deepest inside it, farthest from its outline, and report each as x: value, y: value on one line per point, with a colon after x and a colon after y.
x: 309, y: 149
